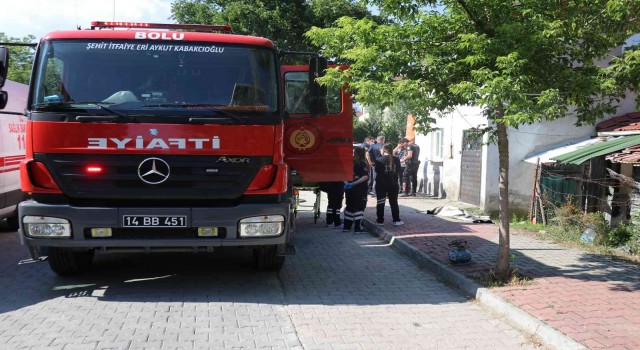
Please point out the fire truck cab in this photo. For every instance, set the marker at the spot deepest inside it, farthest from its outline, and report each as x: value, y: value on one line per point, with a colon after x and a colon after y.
x: 172, y: 138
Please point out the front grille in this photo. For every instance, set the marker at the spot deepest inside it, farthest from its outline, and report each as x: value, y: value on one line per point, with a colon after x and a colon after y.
x: 191, y: 177
x: 156, y: 233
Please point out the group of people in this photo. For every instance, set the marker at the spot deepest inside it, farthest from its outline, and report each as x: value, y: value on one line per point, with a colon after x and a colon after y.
x: 409, y: 155
x: 377, y: 166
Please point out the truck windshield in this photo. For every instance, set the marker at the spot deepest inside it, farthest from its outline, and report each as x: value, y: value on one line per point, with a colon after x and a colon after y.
x: 141, y: 77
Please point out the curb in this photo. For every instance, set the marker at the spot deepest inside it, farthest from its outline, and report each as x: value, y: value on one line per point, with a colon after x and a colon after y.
x: 517, y: 317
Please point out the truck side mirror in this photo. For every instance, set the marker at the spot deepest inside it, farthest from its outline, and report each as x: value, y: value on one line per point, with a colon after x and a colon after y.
x: 317, y: 92
x: 4, y: 65
x: 4, y: 97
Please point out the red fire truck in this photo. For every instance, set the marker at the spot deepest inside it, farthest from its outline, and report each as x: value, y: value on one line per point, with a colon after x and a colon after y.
x: 168, y: 137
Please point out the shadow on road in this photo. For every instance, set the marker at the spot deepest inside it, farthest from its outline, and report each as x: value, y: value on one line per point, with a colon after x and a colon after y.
x: 434, y: 234
x: 331, y: 267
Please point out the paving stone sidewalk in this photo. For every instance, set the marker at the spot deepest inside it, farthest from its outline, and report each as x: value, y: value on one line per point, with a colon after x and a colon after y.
x: 590, y: 299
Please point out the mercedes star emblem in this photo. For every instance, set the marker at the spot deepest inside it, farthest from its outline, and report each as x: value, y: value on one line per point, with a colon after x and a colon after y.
x: 153, y: 171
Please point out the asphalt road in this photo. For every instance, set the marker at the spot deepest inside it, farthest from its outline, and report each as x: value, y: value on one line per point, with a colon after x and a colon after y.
x: 341, y: 291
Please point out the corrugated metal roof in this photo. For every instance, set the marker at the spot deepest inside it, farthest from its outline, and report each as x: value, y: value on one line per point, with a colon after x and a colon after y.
x: 580, y: 156
x: 548, y: 156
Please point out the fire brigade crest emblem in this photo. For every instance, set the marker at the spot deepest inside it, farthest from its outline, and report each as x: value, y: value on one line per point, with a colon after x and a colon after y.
x: 303, y: 139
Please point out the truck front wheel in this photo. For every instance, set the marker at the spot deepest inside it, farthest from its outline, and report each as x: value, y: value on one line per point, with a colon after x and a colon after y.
x: 13, y: 223
x: 267, y: 259
x: 66, y: 262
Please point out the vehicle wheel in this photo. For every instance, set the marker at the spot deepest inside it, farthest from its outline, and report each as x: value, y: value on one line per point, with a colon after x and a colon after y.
x: 66, y: 262
x: 13, y: 223
x: 267, y: 259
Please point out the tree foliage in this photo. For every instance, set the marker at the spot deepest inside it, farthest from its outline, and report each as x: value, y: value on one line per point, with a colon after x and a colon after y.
x: 282, y: 21
x: 522, y: 61
x: 389, y: 122
x: 21, y: 58
x: 536, y: 58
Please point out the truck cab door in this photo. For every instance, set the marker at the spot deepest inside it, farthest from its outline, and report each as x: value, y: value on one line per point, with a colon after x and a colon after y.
x: 319, y: 148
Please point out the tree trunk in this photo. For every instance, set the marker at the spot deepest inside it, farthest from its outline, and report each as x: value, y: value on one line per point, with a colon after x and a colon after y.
x: 502, y: 269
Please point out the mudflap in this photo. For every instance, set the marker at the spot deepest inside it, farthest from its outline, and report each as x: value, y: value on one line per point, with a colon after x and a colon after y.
x: 286, y: 249
x: 34, y: 252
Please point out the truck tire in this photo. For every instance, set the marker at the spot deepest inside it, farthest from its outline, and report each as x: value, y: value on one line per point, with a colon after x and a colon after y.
x: 292, y: 225
x: 67, y: 262
x: 13, y: 223
x: 267, y: 259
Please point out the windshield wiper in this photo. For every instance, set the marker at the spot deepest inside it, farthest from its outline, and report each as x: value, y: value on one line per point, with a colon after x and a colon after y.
x: 115, y: 115
x: 201, y: 120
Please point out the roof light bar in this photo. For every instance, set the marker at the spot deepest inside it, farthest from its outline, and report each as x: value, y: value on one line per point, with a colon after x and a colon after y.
x: 192, y: 27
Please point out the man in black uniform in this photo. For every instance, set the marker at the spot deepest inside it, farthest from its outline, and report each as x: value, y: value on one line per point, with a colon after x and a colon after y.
x: 335, y: 195
x: 368, y: 142
x: 372, y: 154
x: 412, y: 160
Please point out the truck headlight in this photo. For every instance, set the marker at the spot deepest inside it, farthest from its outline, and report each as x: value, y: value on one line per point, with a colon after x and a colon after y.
x: 46, y: 227
x: 261, y: 226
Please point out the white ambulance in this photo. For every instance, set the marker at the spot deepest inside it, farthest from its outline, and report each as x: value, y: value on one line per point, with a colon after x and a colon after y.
x: 13, y: 144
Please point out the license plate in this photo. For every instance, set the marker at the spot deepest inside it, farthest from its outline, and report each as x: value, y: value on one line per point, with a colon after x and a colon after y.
x: 154, y: 221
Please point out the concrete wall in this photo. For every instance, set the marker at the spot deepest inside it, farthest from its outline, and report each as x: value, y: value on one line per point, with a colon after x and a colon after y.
x: 452, y: 126
x: 528, y: 140
x: 523, y: 142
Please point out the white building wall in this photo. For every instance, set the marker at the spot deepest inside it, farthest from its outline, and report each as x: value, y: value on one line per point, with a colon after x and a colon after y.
x: 523, y: 142
x: 441, y: 176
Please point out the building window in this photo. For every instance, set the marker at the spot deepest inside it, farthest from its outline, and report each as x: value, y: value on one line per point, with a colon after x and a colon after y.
x: 437, y: 144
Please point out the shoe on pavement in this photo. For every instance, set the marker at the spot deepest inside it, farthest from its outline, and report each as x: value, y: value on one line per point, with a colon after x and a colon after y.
x: 398, y: 223
x: 380, y: 223
x: 403, y: 195
x: 359, y: 231
x: 412, y: 194
x: 345, y: 230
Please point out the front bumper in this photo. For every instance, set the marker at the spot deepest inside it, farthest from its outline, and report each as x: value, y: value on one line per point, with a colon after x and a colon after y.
x: 84, y: 218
